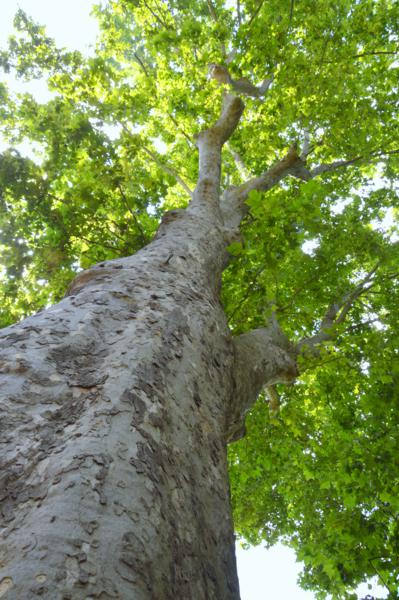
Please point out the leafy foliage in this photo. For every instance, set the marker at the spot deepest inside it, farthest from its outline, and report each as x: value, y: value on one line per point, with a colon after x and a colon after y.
x: 115, y: 147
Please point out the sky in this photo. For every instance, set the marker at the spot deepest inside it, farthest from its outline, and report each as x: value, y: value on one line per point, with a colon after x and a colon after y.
x: 264, y: 574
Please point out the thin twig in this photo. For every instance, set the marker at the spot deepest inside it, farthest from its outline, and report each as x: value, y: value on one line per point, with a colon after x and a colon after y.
x: 161, y: 11
x: 135, y: 219
x: 168, y: 170
x: 326, y: 168
x: 379, y: 574
x: 99, y: 243
x: 360, y: 325
x: 247, y: 292
x: 376, y: 53
x: 212, y: 10
x: 142, y: 65
x: 238, y: 13
x: 176, y: 123
x: 291, y: 13
x: 255, y: 13
x: 156, y: 17
x: 323, y: 362
x: 335, y: 316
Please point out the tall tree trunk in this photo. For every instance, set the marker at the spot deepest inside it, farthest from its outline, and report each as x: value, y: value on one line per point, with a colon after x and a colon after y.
x: 116, y: 405
x: 114, y: 480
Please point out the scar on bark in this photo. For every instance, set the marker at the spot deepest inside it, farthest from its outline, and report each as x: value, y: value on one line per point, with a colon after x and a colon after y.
x: 84, y: 278
x: 169, y: 217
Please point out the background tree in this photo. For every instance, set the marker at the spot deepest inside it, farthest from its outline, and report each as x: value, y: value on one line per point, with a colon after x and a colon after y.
x: 310, y: 169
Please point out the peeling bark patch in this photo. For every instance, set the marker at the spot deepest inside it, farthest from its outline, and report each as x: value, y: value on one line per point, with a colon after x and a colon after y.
x: 89, y: 527
x: 196, y: 395
x: 131, y: 565
x: 5, y: 584
x: 84, y: 278
x: 47, y: 432
x: 149, y: 461
x: 156, y: 420
x: 139, y: 406
x: 16, y: 491
x: 150, y: 377
x: 80, y: 361
x: 38, y: 589
x: 16, y: 366
x: 176, y: 327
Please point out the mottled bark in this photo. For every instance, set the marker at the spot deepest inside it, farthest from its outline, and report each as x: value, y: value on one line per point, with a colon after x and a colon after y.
x: 116, y: 405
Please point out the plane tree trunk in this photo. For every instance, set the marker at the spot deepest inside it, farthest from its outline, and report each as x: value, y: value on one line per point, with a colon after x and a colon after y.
x: 116, y: 407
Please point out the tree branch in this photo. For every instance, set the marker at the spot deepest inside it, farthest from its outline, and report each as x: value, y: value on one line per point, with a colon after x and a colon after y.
x: 233, y: 108
x: 335, y: 316
x: 290, y: 164
x: 233, y: 200
x: 210, y: 142
x: 291, y: 12
x: 241, y: 86
x: 306, y: 148
x: 263, y: 357
x: 326, y: 168
x: 295, y: 165
x: 360, y: 55
x: 238, y: 9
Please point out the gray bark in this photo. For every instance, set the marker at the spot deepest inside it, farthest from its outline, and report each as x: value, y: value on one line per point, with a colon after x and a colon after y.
x: 115, y: 408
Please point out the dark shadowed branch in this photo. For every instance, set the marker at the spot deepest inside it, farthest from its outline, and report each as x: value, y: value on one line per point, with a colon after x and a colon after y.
x: 141, y: 63
x: 361, y: 55
x: 143, y: 237
x: 255, y: 13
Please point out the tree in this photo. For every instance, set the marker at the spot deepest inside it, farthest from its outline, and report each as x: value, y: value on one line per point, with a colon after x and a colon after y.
x: 118, y: 402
